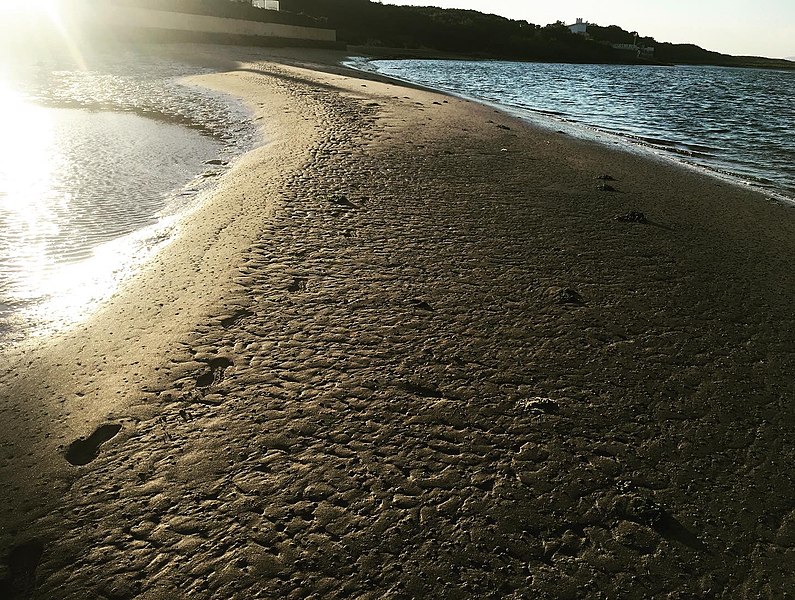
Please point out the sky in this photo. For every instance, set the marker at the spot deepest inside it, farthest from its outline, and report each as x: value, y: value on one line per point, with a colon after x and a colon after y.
x: 739, y: 27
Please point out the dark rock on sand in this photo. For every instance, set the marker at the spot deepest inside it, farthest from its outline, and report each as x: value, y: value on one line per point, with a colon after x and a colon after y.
x: 632, y: 217
x: 342, y: 200
x: 543, y: 405
x: 421, y: 305
x: 565, y: 296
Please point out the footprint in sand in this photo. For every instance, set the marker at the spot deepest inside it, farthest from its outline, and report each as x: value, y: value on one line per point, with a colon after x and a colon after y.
x: 298, y: 285
x: 83, y: 450
x: 22, y: 562
x: 632, y: 217
x: 421, y: 305
x: 215, y: 372
x: 419, y: 389
x: 561, y: 295
x: 235, y: 318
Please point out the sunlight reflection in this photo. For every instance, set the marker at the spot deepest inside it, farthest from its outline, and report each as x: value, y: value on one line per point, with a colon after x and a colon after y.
x: 50, y: 286
x: 86, y: 196
x: 37, y: 274
x: 28, y: 158
x: 72, y: 291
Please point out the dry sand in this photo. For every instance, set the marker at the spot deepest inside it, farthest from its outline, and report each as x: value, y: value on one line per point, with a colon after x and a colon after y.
x: 408, y: 350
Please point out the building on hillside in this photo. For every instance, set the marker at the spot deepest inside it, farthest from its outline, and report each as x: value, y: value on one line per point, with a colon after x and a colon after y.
x: 639, y: 51
x: 580, y: 27
x: 646, y: 51
x: 636, y: 48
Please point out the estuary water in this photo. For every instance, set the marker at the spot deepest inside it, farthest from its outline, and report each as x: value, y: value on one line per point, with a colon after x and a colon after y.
x: 98, y: 164
x: 737, y: 122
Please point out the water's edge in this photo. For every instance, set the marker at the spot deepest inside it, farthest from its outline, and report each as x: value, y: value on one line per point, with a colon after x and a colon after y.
x: 235, y: 134
x: 680, y: 154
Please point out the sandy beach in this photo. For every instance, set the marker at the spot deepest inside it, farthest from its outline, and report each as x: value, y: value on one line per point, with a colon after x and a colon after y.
x: 413, y: 347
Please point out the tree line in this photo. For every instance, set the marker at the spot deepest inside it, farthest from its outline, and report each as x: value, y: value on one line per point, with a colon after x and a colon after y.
x: 466, y: 33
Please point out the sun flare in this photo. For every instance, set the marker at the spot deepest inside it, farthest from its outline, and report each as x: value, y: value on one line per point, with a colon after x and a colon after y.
x: 29, y: 7
x: 20, y: 18
x: 34, y: 29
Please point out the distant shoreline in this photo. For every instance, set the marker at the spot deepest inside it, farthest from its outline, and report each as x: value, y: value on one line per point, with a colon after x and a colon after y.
x: 386, y: 53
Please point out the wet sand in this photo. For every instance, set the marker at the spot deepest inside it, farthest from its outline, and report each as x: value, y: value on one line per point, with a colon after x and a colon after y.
x: 413, y: 347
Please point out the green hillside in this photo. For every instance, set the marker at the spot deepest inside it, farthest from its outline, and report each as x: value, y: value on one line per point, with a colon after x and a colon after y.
x: 471, y: 33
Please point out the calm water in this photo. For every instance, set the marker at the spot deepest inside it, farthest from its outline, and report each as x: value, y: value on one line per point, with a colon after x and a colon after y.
x: 97, y: 165
x: 740, y: 122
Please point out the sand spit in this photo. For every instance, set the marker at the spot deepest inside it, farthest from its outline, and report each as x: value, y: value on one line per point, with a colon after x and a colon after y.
x: 415, y: 348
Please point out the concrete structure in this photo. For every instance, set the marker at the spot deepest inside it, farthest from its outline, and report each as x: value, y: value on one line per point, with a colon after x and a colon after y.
x: 266, y: 4
x: 580, y: 27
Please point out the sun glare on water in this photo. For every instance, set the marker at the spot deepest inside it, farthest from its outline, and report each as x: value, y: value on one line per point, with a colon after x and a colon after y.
x: 27, y: 157
x: 35, y: 196
x: 32, y: 167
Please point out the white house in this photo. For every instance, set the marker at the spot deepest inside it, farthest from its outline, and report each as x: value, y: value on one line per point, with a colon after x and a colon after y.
x: 579, y: 27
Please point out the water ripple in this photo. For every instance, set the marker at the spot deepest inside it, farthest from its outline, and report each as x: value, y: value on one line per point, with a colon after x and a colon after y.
x: 96, y: 166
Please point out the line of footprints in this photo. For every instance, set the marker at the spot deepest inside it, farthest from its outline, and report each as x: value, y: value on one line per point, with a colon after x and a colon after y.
x: 85, y: 449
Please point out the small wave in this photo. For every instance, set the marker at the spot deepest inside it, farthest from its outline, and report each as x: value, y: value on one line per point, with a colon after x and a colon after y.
x: 671, y: 145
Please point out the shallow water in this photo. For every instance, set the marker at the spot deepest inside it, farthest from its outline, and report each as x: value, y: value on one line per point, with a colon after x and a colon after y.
x: 738, y: 122
x: 97, y: 165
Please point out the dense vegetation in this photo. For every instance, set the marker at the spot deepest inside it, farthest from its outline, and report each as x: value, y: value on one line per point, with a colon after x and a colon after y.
x: 367, y: 23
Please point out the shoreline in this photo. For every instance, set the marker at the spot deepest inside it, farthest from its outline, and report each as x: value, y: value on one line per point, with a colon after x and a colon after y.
x: 594, y: 132
x: 164, y: 199
x: 389, y: 359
